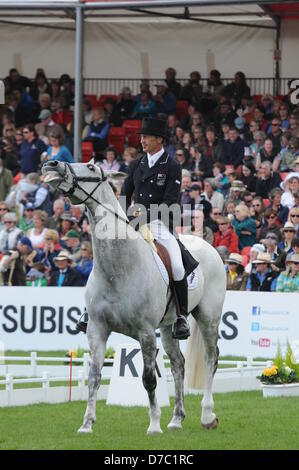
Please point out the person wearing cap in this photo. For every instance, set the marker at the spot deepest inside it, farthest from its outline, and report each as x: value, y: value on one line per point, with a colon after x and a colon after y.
x: 264, y: 279
x: 236, y: 278
x: 155, y: 178
x: 236, y: 191
x: 45, y: 118
x: 26, y: 222
x: 290, y: 186
x: 10, y: 235
x: 164, y: 99
x: 65, y: 275
x: 72, y: 241
x: 197, y: 200
x: 226, y: 236
x: 253, y: 254
x: 288, y: 281
x: 288, y: 233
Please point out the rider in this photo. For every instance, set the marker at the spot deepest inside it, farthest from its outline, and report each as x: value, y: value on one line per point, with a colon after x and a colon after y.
x: 155, y: 178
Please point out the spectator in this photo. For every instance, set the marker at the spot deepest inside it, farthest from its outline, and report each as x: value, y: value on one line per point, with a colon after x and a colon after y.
x: 49, y: 250
x: 270, y: 224
x: 236, y: 192
x: 247, y: 198
x: 10, y: 235
x: 284, y: 117
x: 111, y: 113
x: 275, y: 199
x: 19, y: 139
x: 214, y: 147
x: 288, y: 233
x: 288, y: 281
x: 259, y: 117
x: 35, y: 191
x: 146, y: 107
x: 97, y: 131
x: 236, y: 278
x: 130, y: 154
x: 192, y: 91
x: 110, y: 163
x: 268, y: 153
x: 290, y: 154
x: 72, y: 241
x: 290, y: 186
x: 125, y: 104
x: 267, y: 180
x: 84, y: 264
x: 61, y: 114
x: 197, y: 200
x: 3, y: 210
x: 238, y: 88
x: 87, y: 111
x: 54, y: 221
x: 164, y: 99
x: 6, y: 181
x: 181, y: 156
x: 9, y: 155
x: 264, y: 279
x: 226, y: 235
x: 39, y: 86
x: 26, y: 221
x: 15, y: 81
x: 224, y: 116
x: 274, y: 133
x: 13, y: 263
x: 220, y: 176
x: 248, y: 177
x: 293, y: 217
x: 67, y: 223
x: 65, y: 275
x: 54, y: 91
x: 229, y: 209
x: 36, y: 276
x: 173, y: 86
x: 31, y: 150
x: 277, y: 256
x: 256, y: 147
x: 85, y: 235
x: 255, y: 250
x: 57, y: 150
x: 233, y: 150
x: 215, y: 83
x: 37, y: 233
x: 268, y: 103
x: 244, y: 226
x: 215, y: 198
x: 186, y: 121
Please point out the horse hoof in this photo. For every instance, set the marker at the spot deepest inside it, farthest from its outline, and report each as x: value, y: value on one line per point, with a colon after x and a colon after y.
x: 84, y: 430
x: 175, y: 426
x: 212, y: 425
x: 151, y: 432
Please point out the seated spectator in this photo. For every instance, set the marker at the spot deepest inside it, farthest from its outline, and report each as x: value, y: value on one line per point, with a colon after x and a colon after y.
x: 130, y: 154
x: 259, y: 117
x: 213, y: 147
x: 49, y: 250
x: 39, y: 86
x: 269, y: 224
x: 6, y: 181
x: 31, y: 150
x: 224, y: 115
x: 236, y: 191
x: 275, y: 199
x: 278, y: 257
x: 36, y: 276
x: 293, y: 217
x: 67, y: 224
x: 3, y: 210
x: 16, y: 81
x: 233, y: 149
x: 97, y: 131
x: 255, y: 250
x: 238, y: 88
x: 164, y: 99
x: 181, y: 156
x: 14, y: 262
x: 267, y: 101
x: 9, y: 155
x: 248, y: 177
x: 229, y: 209
x: 54, y: 221
x: 288, y: 234
x: 244, y: 226
x: 57, y: 150
x: 236, y: 278
x: 110, y: 162
x: 65, y: 275
x: 268, y: 154
x: 284, y: 117
x: 192, y: 91
x: 26, y: 222
x: 54, y: 91
x: 37, y: 233
x: 10, y: 235
x: 198, y: 201
x: 258, y: 143
x: 285, y: 155
x: 215, y: 198
x: 85, y: 235
x: 290, y: 186
x: 267, y: 180
x: 84, y: 264
x: 146, y: 107
x: 111, y: 113
x: 198, y: 227
x: 199, y: 165
x: 288, y: 281
x: 87, y: 111
x: 220, y: 176
x: 274, y: 133
x: 226, y: 235
x: 173, y: 86
x: 72, y: 241
x: 125, y: 104
x: 61, y: 114
x: 247, y: 198
x: 264, y: 279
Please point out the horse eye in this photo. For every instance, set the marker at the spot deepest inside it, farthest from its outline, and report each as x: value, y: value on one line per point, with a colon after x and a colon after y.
x: 91, y: 167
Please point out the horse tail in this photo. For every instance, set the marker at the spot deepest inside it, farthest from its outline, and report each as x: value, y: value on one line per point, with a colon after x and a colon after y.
x: 194, y: 358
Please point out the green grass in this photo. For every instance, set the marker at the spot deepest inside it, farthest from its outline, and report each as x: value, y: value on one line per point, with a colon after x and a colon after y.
x: 246, y: 421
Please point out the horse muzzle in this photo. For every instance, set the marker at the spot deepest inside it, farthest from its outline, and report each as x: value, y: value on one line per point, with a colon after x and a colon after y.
x: 53, y: 172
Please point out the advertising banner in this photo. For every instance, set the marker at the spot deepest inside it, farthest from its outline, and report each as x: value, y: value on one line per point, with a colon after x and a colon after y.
x: 35, y: 319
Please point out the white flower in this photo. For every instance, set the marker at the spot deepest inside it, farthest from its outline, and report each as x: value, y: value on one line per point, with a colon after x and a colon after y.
x: 288, y: 370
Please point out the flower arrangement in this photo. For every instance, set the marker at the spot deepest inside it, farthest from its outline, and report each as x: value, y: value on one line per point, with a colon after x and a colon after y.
x: 283, y: 371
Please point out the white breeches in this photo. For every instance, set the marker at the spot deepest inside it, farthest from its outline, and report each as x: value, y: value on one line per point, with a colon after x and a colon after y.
x: 162, y: 234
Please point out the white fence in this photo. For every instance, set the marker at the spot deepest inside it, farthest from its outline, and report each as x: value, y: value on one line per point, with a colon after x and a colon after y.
x: 240, y: 376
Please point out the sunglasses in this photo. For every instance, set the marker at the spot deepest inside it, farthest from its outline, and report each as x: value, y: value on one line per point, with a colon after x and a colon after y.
x: 83, y: 249
x: 292, y: 215
x: 274, y: 124
x: 216, y: 213
x: 179, y: 154
x: 9, y: 222
x: 3, y: 209
x: 9, y: 130
x: 272, y: 217
x: 289, y: 231
x: 25, y: 132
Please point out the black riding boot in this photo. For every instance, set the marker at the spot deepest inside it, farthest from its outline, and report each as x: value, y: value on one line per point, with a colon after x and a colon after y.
x: 180, y: 329
x: 82, y: 324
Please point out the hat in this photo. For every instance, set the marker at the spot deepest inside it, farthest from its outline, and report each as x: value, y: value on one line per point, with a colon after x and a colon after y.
x: 240, y: 123
x: 29, y: 206
x: 288, y: 226
x: 10, y: 217
x: 296, y: 162
x: 45, y: 114
x: 195, y: 187
x: 67, y: 216
x: 235, y: 258
x: 237, y: 186
x: 152, y: 126
x: 294, y: 258
x: 262, y: 258
x: 161, y: 83
x: 271, y: 236
x: 71, y: 234
x: 62, y: 256
x: 26, y: 241
x: 293, y: 174
x: 258, y: 247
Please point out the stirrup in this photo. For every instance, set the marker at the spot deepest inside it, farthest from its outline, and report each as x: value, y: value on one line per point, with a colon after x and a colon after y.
x: 81, y: 325
x: 180, y: 329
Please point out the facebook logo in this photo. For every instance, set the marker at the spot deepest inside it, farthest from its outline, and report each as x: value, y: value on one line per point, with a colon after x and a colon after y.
x: 255, y: 326
x: 256, y: 310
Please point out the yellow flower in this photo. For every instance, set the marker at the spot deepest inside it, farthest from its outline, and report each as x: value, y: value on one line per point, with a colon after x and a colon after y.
x: 270, y: 371
x: 73, y: 352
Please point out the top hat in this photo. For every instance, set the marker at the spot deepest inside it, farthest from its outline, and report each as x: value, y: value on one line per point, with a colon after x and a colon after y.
x: 152, y: 126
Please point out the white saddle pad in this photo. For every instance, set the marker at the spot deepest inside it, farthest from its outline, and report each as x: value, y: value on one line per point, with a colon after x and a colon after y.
x: 192, y: 279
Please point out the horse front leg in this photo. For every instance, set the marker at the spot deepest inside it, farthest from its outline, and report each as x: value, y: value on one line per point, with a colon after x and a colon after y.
x: 177, y: 365
x: 148, y: 348
x: 97, y: 338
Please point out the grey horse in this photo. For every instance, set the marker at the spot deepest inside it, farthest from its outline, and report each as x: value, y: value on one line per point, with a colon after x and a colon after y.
x: 126, y: 293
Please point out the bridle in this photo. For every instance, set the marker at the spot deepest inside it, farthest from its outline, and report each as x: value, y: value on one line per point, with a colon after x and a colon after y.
x: 87, y: 179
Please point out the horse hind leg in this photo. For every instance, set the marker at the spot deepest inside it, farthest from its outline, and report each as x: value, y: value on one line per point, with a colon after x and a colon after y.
x: 177, y: 365
x: 97, y: 338
x: 148, y: 348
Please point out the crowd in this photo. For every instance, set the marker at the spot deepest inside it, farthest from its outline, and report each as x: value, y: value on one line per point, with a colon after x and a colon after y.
x: 240, y: 175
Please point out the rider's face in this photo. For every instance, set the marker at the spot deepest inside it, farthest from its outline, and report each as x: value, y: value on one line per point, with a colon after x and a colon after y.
x: 151, y: 143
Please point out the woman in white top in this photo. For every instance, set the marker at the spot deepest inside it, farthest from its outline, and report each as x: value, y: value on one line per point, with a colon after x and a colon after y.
x: 290, y: 186
x: 37, y: 233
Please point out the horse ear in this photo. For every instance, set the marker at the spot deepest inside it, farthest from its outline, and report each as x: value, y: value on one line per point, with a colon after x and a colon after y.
x: 91, y: 161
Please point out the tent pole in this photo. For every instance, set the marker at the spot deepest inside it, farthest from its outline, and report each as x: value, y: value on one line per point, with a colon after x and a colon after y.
x: 78, y: 83
x: 277, y: 61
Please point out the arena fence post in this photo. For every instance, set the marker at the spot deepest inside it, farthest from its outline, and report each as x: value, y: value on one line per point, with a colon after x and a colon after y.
x: 81, y: 382
x: 9, y: 388
x: 33, y: 363
x: 46, y: 384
